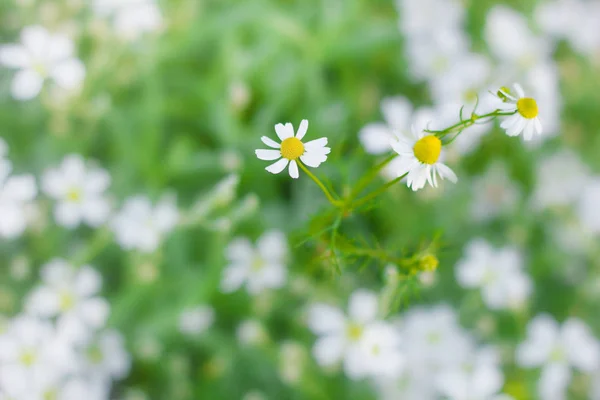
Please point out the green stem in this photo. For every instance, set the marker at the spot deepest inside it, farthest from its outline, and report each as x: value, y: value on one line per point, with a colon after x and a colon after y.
x: 330, y: 197
x: 470, y: 122
x: 372, y: 195
x: 367, y: 178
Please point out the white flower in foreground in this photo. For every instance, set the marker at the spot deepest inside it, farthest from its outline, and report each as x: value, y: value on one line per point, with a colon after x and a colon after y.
x: 131, y: 18
x: 16, y: 194
x: 140, y: 226
x: 258, y: 268
x: 480, y: 379
x: 292, y: 148
x: 79, y: 192
x: 72, y: 295
x: 41, y: 55
x: 497, y: 272
x: 194, y: 321
x: 419, y: 158
x: 365, y: 345
x: 526, y: 114
x: 557, y: 349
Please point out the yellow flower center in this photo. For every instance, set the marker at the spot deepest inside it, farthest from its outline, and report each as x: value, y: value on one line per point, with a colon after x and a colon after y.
x: 354, y: 331
x: 429, y: 262
x: 95, y: 355
x: 67, y: 301
x: 74, y: 194
x: 527, y: 107
x: 27, y: 358
x: 428, y: 149
x: 257, y: 264
x: 292, y: 148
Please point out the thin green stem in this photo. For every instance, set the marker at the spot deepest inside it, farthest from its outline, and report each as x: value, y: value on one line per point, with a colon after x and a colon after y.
x: 463, y: 124
x: 372, y: 195
x: 330, y: 197
x: 367, y: 178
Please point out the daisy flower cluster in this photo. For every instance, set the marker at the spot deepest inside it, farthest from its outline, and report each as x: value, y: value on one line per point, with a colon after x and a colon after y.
x: 60, y: 347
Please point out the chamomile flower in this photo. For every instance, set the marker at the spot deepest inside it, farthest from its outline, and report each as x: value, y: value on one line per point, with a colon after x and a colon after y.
x: 292, y: 148
x: 526, y: 113
x: 420, y: 159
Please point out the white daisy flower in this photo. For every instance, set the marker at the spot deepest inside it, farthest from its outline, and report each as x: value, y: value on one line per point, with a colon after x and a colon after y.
x: 71, y: 294
x: 420, y: 159
x: 526, y: 114
x: 364, y: 344
x: 259, y: 269
x: 141, y: 226
x: 292, y: 148
x: 79, y: 192
x: 106, y: 359
x: 194, y: 321
x: 41, y: 55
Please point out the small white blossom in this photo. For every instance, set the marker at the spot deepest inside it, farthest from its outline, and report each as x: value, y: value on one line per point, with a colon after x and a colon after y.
x: 291, y: 149
x: 557, y: 349
x: 106, y: 357
x: 420, y: 159
x: 72, y: 295
x: 364, y: 344
x: 16, y: 194
x: 494, y: 194
x: 41, y: 55
x: 79, y: 192
x: 257, y: 268
x: 131, y: 18
x: 140, y: 226
x: 497, y: 272
x: 525, y: 118
x: 194, y: 321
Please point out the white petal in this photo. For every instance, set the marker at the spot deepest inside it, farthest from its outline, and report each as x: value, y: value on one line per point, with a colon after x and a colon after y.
x: 268, y: 155
x: 270, y: 142
x: 278, y: 166
x: 284, y: 131
x: 519, y: 90
x: 528, y: 130
x: 325, y: 319
x: 87, y: 282
x: 538, y: 126
x: 397, y: 112
x: 68, y: 214
x: 294, y: 169
x: 35, y: 39
x: 95, y: 312
x: 446, y: 173
x: 272, y: 246
x: 312, y: 160
x: 69, y: 74
x: 14, y: 56
x: 240, y: 251
x: 363, y: 306
x: 328, y: 350
x: 26, y: 84
x: 316, y: 144
x: 375, y: 138
x: 233, y: 277
x: 302, y: 129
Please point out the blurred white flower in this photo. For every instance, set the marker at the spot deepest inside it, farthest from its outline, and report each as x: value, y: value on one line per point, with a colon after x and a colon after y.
x: 397, y: 113
x: 106, y: 358
x: 558, y: 349
x: 366, y: 345
x: 79, y: 192
x: 420, y: 159
x: 194, y: 321
x: 251, y: 332
x: 587, y: 205
x: 499, y: 274
x: 29, y: 351
x: 41, y: 55
x: 131, y: 18
x: 510, y: 39
x: 561, y: 179
x: 71, y: 294
x: 574, y: 20
x: 257, y: 268
x: 16, y: 194
x: 311, y: 154
x: 526, y: 113
x: 494, y: 194
x: 479, y: 379
x: 140, y: 226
